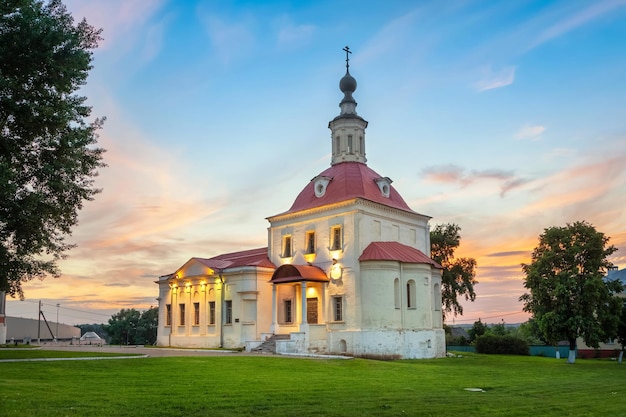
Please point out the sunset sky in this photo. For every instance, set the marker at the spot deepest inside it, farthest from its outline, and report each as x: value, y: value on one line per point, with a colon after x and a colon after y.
x: 503, y: 117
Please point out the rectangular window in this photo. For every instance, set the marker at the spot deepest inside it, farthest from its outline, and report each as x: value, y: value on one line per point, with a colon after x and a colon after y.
x: 288, y: 312
x: 211, y: 312
x: 337, y: 308
x: 335, y: 236
x: 350, y: 148
x: 310, y: 242
x: 168, y: 314
x: 286, y: 252
x: 181, y: 310
x: 228, y: 313
x: 196, y: 313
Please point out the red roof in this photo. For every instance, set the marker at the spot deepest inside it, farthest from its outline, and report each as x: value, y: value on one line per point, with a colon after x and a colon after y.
x: 350, y: 180
x: 251, y: 257
x: 394, y: 251
x: 297, y: 273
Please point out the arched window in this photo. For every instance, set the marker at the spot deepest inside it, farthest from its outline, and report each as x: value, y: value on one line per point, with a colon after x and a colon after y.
x: 396, y: 293
x: 410, y: 294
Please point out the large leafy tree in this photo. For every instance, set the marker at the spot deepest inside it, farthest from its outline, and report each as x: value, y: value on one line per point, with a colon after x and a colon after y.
x: 122, y: 327
x: 147, y: 327
x: 568, y: 294
x: 48, y: 152
x: 459, y: 275
x: 132, y: 327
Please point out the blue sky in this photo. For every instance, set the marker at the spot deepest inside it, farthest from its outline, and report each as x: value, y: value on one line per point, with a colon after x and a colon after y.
x: 503, y: 117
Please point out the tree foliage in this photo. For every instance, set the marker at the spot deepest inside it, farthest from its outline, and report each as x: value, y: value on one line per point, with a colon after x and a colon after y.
x: 48, y: 152
x: 459, y: 275
x: 568, y: 295
x: 131, y: 327
x: 478, y: 329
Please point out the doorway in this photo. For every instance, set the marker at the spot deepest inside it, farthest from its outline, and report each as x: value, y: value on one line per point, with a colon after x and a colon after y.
x: 311, y: 310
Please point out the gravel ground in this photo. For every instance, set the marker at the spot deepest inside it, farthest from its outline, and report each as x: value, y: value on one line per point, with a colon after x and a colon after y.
x: 152, y: 352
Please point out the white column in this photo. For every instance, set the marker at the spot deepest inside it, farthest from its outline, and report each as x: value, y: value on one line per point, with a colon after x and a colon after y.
x: 324, y: 306
x: 303, y: 321
x: 274, y: 326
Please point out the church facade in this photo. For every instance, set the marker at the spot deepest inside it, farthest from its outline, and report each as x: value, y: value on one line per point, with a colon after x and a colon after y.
x: 346, y: 270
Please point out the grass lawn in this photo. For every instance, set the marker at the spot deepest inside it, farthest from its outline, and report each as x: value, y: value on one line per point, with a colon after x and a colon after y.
x: 280, y: 386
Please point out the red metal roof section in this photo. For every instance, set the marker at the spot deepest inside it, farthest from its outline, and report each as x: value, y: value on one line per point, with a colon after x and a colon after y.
x: 298, y: 273
x: 349, y: 180
x: 394, y: 251
x: 251, y: 257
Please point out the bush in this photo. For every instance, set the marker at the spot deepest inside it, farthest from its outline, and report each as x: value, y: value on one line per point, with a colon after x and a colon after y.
x: 504, y: 345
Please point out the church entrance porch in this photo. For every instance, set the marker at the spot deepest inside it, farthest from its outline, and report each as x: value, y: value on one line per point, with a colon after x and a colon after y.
x: 299, y: 306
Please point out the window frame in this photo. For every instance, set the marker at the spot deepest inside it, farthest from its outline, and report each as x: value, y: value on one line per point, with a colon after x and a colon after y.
x: 338, y: 309
x: 309, y: 242
x: 168, y: 314
x: 288, y: 311
x: 336, y: 237
x: 181, y: 311
x: 211, y: 312
x: 286, y: 247
x: 228, y: 311
x: 411, y: 301
x: 196, y: 314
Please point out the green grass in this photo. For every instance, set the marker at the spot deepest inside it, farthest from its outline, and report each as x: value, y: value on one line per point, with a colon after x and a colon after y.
x: 279, y: 386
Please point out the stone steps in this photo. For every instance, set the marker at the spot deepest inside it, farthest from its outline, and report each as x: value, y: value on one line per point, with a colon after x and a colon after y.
x: 269, y: 346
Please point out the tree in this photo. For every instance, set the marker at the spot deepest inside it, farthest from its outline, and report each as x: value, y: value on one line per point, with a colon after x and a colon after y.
x: 569, y: 297
x: 122, y: 327
x: 458, y: 274
x: 48, y: 152
x: 477, y: 330
x: 147, y: 327
x: 131, y: 327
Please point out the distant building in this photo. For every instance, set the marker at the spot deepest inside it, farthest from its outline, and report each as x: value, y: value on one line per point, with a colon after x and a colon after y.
x: 346, y: 270
x: 21, y: 329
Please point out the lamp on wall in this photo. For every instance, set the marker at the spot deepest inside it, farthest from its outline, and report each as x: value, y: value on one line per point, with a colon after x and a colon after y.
x: 336, y: 271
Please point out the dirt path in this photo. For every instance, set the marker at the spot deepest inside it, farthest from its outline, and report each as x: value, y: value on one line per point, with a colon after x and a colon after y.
x: 151, y: 352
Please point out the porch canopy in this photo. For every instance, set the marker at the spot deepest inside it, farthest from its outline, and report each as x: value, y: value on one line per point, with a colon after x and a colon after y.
x: 298, y: 273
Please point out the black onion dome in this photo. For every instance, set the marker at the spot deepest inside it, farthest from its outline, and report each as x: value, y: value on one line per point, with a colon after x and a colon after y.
x: 347, y: 83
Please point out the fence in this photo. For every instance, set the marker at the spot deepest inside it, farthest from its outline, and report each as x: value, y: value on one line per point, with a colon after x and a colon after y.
x: 535, y: 350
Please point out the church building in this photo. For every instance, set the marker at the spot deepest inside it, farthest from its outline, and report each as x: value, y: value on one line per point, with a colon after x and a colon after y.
x: 347, y: 270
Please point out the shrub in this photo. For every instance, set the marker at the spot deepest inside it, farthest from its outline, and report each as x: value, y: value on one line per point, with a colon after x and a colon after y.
x: 506, y: 345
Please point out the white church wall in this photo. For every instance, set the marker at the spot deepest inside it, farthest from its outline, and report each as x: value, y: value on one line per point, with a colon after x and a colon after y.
x: 386, y: 306
x: 404, y: 344
x: 383, y: 224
